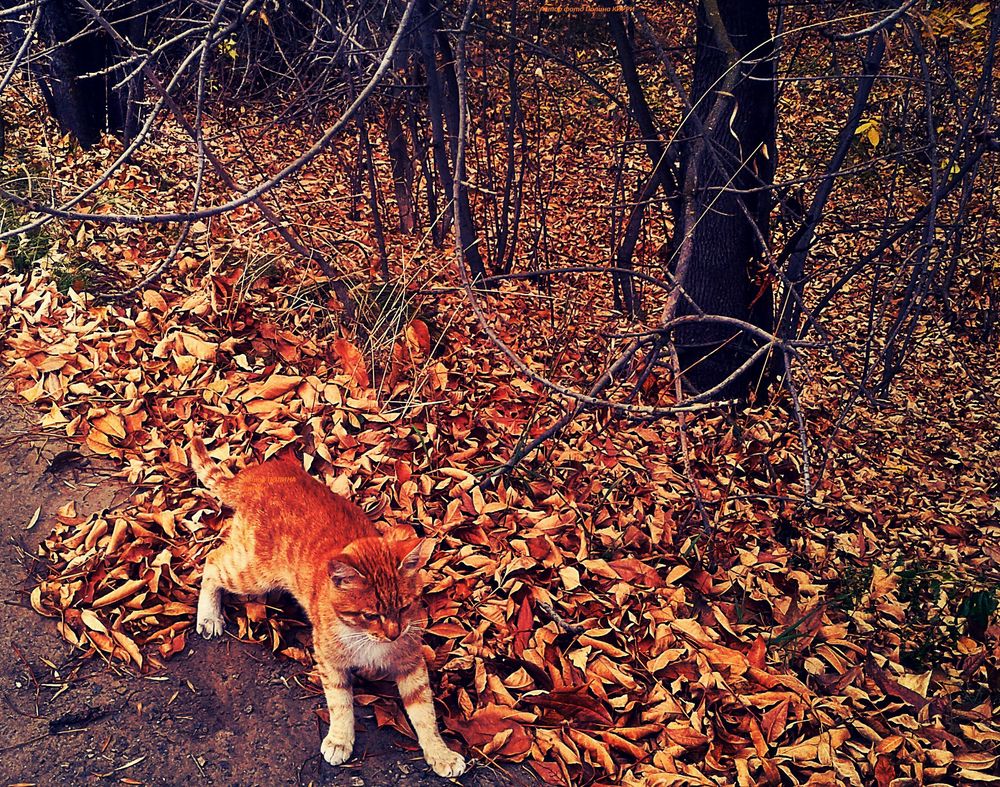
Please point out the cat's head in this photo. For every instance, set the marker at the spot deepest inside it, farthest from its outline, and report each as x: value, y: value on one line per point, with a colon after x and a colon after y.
x: 377, y: 585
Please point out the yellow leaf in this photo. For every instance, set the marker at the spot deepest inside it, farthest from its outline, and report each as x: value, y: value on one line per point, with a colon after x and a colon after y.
x: 35, y: 392
x: 154, y: 300
x: 111, y: 424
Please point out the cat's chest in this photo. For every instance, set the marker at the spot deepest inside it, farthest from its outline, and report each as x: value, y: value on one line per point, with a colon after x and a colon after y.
x: 369, y: 655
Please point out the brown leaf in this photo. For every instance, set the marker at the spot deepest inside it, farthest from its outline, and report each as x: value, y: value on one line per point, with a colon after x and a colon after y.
x: 197, y: 347
x: 573, y: 703
x: 885, y: 682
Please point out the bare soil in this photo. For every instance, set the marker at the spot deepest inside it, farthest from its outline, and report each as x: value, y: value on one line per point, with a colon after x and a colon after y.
x: 221, y: 713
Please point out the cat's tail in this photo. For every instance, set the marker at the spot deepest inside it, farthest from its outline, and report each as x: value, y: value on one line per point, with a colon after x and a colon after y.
x: 209, y: 473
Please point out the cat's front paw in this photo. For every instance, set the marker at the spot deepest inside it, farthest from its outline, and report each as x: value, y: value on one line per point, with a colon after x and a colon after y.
x: 445, y: 762
x: 337, y: 748
x: 210, y: 626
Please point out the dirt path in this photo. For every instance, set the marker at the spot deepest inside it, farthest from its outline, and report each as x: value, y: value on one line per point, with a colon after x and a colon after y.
x: 221, y: 713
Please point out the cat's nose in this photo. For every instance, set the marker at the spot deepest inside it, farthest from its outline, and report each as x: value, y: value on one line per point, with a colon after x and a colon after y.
x: 392, y: 629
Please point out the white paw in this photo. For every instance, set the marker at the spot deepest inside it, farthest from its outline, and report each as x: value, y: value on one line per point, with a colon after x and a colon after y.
x: 210, y: 626
x: 445, y: 762
x: 337, y: 748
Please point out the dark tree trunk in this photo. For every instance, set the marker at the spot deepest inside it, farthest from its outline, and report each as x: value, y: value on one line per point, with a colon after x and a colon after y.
x: 725, y: 274
x: 434, y: 110
x: 402, y: 171
x: 442, y: 105
x: 399, y: 150
x: 373, y: 193
x: 660, y: 173
x: 85, y: 65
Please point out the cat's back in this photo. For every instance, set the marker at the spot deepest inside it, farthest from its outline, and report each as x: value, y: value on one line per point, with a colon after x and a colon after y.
x: 282, y: 496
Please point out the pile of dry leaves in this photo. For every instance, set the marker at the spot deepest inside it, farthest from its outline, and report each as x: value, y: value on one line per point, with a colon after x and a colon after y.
x: 587, y: 615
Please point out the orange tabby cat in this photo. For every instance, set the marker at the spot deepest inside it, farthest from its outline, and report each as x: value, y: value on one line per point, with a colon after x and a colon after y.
x: 360, y: 589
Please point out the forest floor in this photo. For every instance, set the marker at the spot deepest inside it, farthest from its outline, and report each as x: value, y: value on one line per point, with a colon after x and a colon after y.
x: 216, y: 714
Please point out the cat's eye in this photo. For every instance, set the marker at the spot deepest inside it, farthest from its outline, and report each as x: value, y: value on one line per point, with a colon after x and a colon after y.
x: 370, y: 616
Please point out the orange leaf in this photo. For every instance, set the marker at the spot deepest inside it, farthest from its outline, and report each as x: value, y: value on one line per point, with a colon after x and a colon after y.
x: 271, y: 388
x: 353, y: 361
x: 418, y: 338
x: 123, y: 592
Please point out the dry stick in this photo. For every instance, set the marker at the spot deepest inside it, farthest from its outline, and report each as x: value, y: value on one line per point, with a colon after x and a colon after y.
x: 29, y: 34
x: 576, y: 408
x: 877, y: 26
x: 160, y: 269
x: 570, y: 628
x: 489, y: 280
x: 14, y: 10
x: 798, y: 247
x: 801, y: 423
x: 373, y: 191
x: 921, y: 270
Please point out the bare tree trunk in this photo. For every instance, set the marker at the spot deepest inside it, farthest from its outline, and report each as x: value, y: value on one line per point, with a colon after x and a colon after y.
x: 84, y: 68
x: 373, y: 192
x: 443, y: 104
x: 660, y: 173
x: 402, y: 173
x: 512, y: 201
x: 737, y: 152
x: 399, y: 154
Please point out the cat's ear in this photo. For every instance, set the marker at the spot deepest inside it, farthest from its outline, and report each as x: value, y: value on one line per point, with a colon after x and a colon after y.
x: 415, y: 554
x: 345, y: 576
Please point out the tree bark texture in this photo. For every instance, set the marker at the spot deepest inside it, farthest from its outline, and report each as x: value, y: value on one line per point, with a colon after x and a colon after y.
x: 83, y: 68
x: 733, y: 149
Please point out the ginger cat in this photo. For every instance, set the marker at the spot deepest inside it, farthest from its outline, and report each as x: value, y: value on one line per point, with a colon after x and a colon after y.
x: 360, y: 589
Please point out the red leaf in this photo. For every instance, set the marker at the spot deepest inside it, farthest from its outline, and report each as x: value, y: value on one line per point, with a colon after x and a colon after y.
x: 757, y: 657
x: 524, y: 626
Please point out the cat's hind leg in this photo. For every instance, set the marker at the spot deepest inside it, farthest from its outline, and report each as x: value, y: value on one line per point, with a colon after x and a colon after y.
x: 228, y: 568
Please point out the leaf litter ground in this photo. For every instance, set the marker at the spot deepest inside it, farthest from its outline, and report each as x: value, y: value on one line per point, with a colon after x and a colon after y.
x: 582, y: 617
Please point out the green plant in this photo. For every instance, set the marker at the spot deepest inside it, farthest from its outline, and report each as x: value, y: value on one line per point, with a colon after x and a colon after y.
x: 941, y: 608
x: 26, y: 249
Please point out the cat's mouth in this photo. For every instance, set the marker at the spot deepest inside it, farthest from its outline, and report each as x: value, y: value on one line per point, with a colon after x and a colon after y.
x: 404, y: 633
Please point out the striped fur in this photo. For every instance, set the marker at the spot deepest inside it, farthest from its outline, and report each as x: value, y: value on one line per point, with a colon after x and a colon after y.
x: 360, y: 589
